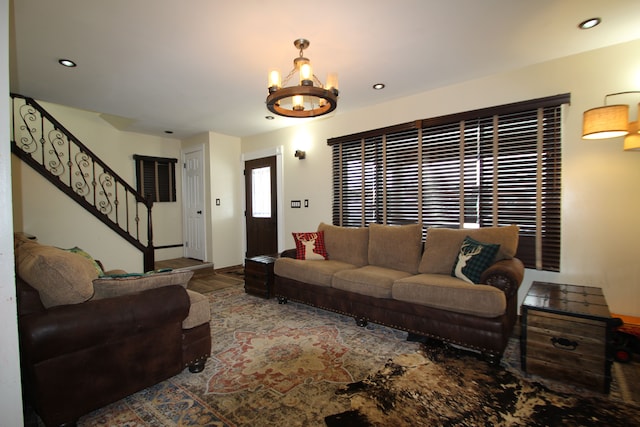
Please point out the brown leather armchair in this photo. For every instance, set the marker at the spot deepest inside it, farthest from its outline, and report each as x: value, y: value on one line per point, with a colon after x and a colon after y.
x: 79, y: 357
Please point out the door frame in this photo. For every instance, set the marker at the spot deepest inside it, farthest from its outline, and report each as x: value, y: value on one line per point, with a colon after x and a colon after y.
x: 205, y: 212
x: 267, y: 152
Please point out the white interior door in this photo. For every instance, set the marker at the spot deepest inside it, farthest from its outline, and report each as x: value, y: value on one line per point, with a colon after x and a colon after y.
x: 194, y: 207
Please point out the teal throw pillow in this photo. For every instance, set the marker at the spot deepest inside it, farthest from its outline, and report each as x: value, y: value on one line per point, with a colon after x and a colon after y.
x: 473, y: 259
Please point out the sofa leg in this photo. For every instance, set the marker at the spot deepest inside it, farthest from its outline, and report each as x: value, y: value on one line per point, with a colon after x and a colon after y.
x: 361, y: 322
x: 492, y: 359
x: 282, y: 300
x: 196, y: 367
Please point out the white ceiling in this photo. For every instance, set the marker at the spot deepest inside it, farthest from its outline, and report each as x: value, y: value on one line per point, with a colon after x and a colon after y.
x: 192, y: 66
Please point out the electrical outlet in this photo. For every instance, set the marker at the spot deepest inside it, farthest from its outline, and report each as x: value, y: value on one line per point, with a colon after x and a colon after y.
x: 296, y: 204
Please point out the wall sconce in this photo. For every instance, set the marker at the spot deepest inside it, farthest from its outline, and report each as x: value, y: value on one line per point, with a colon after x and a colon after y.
x: 611, y: 121
x: 300, y: 154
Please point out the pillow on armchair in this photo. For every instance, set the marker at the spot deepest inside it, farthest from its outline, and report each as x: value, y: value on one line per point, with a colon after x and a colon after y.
x: 60, y: 277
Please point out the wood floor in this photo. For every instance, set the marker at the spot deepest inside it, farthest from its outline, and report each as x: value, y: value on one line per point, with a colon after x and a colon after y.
x: 205, y: 279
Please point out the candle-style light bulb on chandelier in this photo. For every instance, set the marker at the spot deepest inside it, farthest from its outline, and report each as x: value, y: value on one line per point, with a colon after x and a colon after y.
x: 309, y: 98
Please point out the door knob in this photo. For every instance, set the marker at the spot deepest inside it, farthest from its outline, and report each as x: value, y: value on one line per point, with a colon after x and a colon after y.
x: 199, y: 212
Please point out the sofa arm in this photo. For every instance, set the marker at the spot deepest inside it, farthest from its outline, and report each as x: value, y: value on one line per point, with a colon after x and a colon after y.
x: 69, y: 328
x: 289, y: 253
x: 506, y: 275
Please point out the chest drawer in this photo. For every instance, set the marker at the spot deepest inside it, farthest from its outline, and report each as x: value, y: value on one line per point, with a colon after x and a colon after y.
x: 567, y: 348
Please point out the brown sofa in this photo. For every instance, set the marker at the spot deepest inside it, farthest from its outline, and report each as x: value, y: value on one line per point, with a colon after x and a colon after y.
x: 88, y: 338
x: 386, y: 275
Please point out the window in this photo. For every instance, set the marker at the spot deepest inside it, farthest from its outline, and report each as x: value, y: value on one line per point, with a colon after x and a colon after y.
x: 491, y: 167
x: 261, y: 192
x: 156, y: 178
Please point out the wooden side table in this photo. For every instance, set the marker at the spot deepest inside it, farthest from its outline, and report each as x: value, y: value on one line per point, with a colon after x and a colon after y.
x: 566, y: 334
x: 258, y: 275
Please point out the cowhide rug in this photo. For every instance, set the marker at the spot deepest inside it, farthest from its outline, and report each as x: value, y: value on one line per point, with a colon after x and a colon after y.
x: 443, y: 386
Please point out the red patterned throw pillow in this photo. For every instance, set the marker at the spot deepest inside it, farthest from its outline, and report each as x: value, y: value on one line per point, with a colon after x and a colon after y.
x: 310, y: 245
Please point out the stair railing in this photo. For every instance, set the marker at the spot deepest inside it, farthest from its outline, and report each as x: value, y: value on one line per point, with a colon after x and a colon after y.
x: 48, y: 147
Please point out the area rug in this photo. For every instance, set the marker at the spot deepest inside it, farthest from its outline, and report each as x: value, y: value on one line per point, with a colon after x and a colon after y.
x: 271, y: 365
x: 445, y: 386
x: 293, y: 365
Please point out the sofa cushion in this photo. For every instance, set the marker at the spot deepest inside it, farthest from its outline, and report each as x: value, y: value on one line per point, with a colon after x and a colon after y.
x: 199, y: 310
x: 473, y: 259
x: 398, y: 247
x: 368, y: 280
x: 109, y: 287
x: 443, y: 244
x: 309, y: 271
x: 346, y: 244
x: 60, y: 277
x: 310, y: 245
x: 449, y: 293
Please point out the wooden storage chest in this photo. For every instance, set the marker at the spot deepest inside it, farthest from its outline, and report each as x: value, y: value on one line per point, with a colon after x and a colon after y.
x: 258, y: 275
x: 565, y: 335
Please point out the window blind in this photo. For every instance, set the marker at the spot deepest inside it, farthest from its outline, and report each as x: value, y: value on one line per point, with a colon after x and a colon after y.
x: 491, y: 167
x: 155, y: 177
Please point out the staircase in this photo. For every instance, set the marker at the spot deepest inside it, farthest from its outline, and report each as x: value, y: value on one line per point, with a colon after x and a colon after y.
x: 48, y: 147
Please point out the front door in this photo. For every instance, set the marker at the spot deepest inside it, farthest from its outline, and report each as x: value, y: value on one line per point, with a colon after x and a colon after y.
x: 194, y: 228
x: 261, y: 214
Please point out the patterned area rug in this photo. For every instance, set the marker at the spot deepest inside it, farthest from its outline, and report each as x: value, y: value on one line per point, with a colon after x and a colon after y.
x: 293, y: 365
x: 271, y: 365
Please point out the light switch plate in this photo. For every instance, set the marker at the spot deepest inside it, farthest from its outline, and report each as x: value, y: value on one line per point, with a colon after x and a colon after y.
x: 296, y: 204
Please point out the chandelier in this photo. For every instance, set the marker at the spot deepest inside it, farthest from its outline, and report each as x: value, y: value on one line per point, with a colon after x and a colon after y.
x: 310, y: 98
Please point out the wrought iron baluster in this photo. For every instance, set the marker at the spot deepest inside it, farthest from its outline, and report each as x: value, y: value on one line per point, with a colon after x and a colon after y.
x: 28, y: 144
x: 56, y: 164
x: 82, y: 186
x: 105, y: 180
x: 126, y: 200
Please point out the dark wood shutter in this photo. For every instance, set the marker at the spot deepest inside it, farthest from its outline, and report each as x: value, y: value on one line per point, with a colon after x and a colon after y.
x: 491, y: 167
x: 156, y: 177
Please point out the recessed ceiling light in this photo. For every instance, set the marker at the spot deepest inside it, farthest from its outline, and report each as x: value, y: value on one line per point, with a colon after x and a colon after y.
x: 378, y: 86
x: 269, y: 117
x: 589, y: 23
x: 67, y: 63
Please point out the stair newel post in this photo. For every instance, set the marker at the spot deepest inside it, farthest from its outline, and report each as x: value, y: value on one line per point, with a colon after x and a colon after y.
x: 149, y: 252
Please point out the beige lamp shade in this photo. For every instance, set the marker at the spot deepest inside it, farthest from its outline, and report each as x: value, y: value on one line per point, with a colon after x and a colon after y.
x: 605, y: 122
x: 632, y: 141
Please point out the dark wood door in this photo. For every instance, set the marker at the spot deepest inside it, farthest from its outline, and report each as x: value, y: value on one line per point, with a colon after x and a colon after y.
x: 261, y: 214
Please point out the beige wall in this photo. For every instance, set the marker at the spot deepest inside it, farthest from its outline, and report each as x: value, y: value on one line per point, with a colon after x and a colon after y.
x: 222, y: 177
x: 10, y: 389
x: 227, y: 218
x: 600, y: 196
x: 40, y: 209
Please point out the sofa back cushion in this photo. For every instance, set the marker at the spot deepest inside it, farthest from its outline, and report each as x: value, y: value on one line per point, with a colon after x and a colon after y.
x: 395, y: 246
x: 443, y: 245
x: 59, y: 276
x: 346, y: 244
